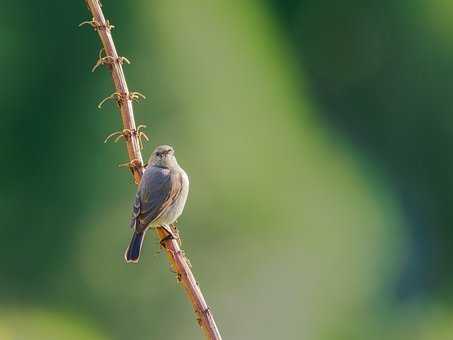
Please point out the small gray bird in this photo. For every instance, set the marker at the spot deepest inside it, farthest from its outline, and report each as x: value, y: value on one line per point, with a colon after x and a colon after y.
x: 160, y: 198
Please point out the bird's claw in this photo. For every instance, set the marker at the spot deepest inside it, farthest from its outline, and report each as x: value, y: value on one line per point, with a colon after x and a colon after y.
x: 172, y: 234
x: 165, y: 239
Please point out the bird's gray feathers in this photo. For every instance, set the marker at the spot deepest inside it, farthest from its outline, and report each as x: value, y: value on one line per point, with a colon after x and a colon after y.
x: 159, y: 189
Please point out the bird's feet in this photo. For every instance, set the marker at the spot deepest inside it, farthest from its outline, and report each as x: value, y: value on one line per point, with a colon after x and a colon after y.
x: 172, y: 234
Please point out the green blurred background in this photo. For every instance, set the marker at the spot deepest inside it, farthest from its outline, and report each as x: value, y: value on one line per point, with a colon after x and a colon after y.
x: 317, y: 136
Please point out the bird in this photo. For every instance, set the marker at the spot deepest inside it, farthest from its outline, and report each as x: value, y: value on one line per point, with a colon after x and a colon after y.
x: 160, y: 198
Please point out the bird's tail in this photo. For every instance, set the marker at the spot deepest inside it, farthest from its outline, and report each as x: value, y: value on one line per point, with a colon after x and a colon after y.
x: 132, y: 253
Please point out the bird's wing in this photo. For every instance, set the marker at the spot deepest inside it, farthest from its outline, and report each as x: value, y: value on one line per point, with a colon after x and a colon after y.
x: 158, y: 190
x: 135, y: 211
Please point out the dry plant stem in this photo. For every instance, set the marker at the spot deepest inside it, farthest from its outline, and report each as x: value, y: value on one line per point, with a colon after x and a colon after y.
x: 180, y: 265
x: 176, y: 256
x: 125, y: 104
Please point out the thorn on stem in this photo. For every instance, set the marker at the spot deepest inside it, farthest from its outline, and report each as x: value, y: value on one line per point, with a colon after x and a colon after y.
x: 118, y: 134
x: 134, y: 164
x: 140, y: 135
x: 122, y: 97
x: 98, y: 26
x: 115, y: 95
x: 127, y: 133
x: 178, y: 238
x: 109, y: 60
x: 187, y: 259
x: 136, y: 96
x: 144, y: 136
x: 204, y: 312
x: 87, y: 22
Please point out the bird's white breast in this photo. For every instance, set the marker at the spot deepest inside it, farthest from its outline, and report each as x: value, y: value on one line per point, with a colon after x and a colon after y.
x: 172, y: 213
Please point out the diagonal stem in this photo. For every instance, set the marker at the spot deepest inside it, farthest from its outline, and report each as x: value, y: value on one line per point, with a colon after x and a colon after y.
x: 119, y: 80
x: 175, y: 254
x: 180, y: 265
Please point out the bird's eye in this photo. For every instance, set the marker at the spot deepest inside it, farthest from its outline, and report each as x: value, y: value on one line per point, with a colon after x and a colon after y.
x: 158, y: 154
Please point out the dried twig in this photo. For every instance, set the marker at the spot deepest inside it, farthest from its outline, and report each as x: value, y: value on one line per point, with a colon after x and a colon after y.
x: 132, y: 135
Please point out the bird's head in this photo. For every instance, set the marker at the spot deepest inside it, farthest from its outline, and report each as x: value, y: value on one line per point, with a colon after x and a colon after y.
x: 163, y: 156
